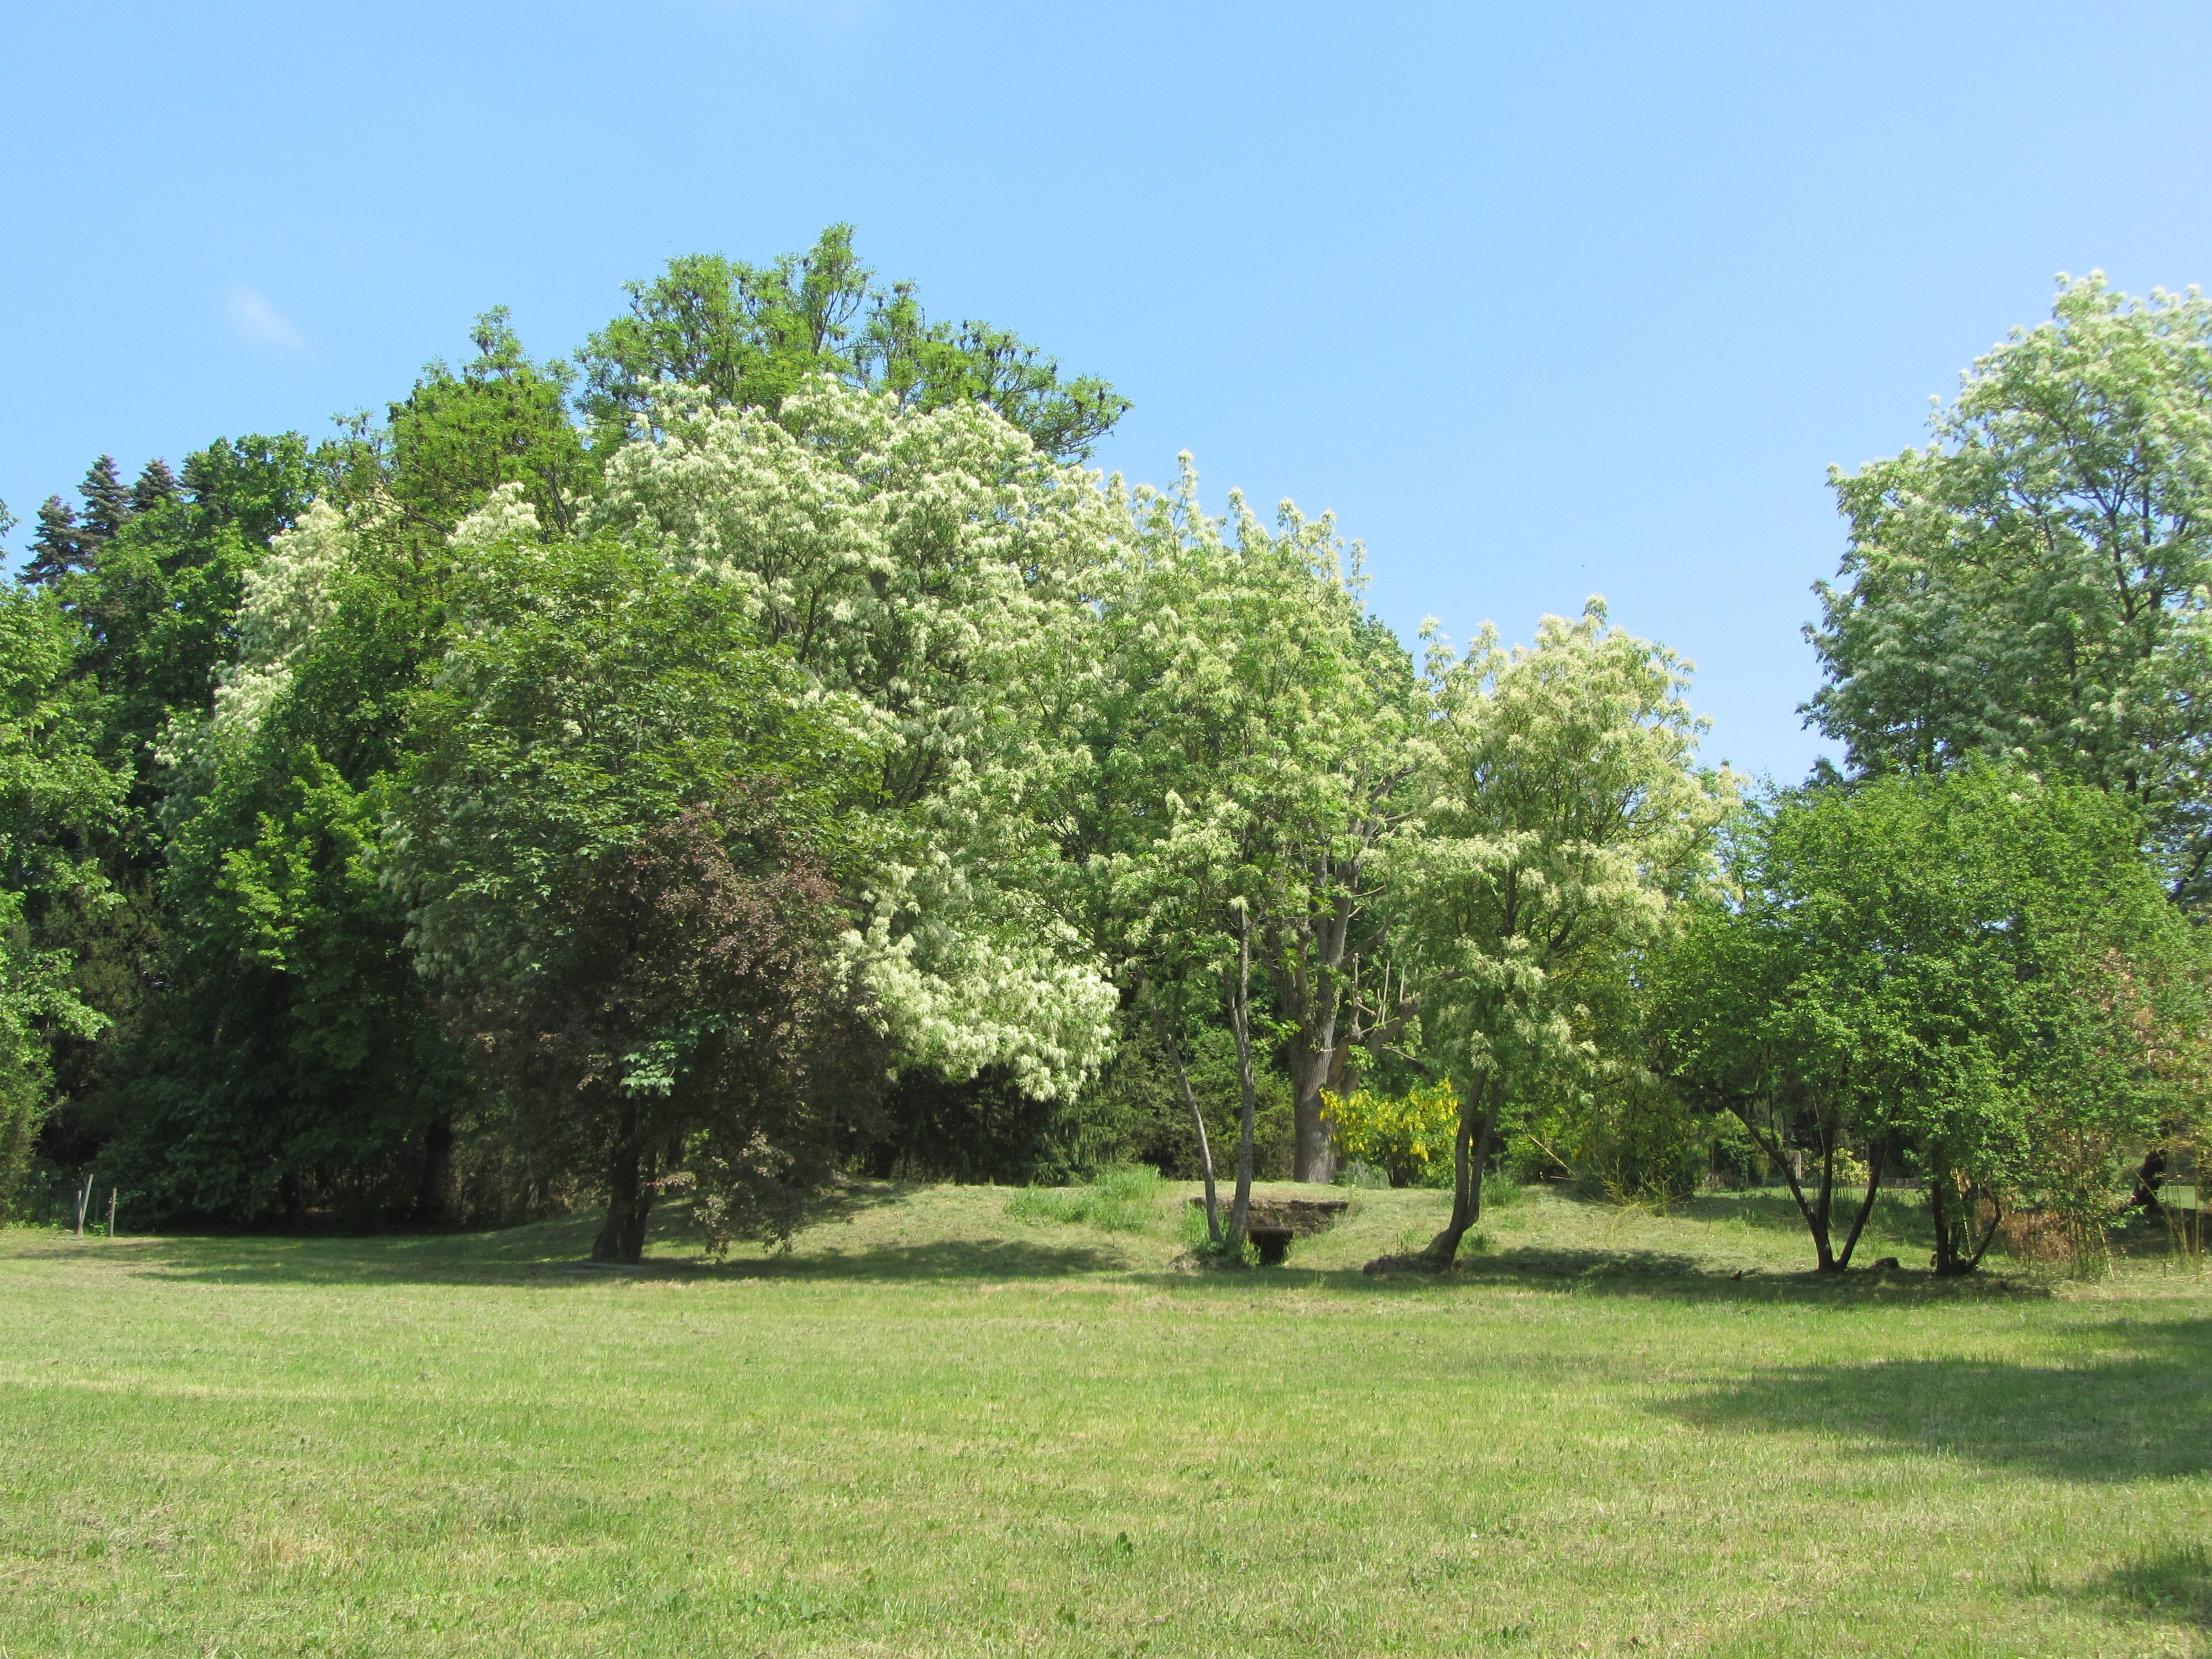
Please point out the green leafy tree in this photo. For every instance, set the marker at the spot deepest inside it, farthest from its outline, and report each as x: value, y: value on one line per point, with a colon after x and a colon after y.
x: 107, y: 505
x: 1560, y: 815
x: 66, y: 542
x: 500, y: 419
x: 459, y: 435
x: 153, y: 609
x: 55, y: 549
x: 155, y: 488
x: 295, y: 1064
x: 750, y: 336
x: 1969, y: 969
x: 2033, y: 584
x: 1336, y: 914
x: 55, y: 796
x: 291, y: 1065
x: 621, y: 836
x: 159, y: 601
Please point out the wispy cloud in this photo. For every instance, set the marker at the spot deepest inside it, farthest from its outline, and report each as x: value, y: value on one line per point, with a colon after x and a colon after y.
x: 254, y: 317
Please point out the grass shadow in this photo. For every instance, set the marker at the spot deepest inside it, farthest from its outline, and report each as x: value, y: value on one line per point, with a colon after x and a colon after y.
x: 1647, y: 1274
x: 1686, y: 1277
x: 1900, y: 1214
x: 1000, y: 1247
x: 2174, y: 1584
x: 2142, y: 1414
x: 556, y: 1253
x: 847, y: 1201
x: 979, y: 1258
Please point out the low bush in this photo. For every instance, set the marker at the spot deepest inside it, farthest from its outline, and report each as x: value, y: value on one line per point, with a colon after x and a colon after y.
x: 1123, y: 1199
x: 1501, y: 1191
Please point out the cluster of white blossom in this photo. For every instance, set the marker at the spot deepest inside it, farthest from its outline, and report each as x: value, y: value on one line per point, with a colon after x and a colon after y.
x: 290, y: 595
x: 969, y: 974
x: 1045, y: 663
x: 924, y: 571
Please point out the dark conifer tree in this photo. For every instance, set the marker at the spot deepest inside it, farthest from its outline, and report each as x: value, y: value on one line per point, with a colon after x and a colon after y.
x: 56, y: 546
x: 157, y: 487
x: 107, y: 505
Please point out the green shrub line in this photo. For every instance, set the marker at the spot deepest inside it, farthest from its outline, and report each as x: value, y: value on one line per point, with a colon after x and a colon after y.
x: 1124, y: 1199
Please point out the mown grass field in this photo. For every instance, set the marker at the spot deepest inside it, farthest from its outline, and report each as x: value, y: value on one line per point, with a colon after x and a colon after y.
x: 937, y: 1428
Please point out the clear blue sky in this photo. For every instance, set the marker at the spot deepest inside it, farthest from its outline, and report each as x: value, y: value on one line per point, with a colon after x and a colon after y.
x: 1541, y: 300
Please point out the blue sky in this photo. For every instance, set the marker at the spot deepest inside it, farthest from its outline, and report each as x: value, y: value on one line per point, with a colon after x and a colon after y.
x: 1541, y: 301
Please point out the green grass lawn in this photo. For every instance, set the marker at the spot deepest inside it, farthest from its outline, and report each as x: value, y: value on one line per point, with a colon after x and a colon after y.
x: 940, y: 1427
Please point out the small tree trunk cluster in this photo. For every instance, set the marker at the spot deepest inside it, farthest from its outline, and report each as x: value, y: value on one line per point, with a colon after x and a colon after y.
x: 631, y: 1187
x: 1477, y: 1126
x: 1951, y: 1207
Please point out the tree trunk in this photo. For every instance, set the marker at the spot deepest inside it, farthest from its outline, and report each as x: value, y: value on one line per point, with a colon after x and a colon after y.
x: 1825, y: 1208
x: 2147, y: 1182
x: 1478, y: 1123
x: 1815, y: 1220
x: 1939, y: 1213
x: 1951, y: 1206
x: 1313, y: 994
x: 1340, y: 1071
x: 1198, y: 1123
x: 1313, y: 1153
x: 433, y: 1204
x: 1877, y: 1160
x: 1770, y: 1144
x: 1240, y: 1025
x: 629, y: 1198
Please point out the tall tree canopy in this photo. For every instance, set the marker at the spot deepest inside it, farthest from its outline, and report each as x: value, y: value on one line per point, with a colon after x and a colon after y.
x: 499, y: 419
x: 748, y: 336
x: 55, y: 795
x: 795, y: 657
x: 1240, y: 753
x: 764, y: 751
x: 152, y: 600
x: 2033, y: 584
x: 292, y: 1066
x: 622, y: 837
x: 245, y: 638
x: 928, y: 569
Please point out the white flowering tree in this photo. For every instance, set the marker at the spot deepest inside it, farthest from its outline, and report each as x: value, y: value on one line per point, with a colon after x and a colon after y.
x: 1334, y: 914
x: 1240, y: 748
x: 2033, y: 584
x: 290, y: 596
x: 1560, y: 812
x: 928, y: 572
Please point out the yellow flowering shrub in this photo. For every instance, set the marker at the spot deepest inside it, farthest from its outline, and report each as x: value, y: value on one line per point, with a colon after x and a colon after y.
x: 1409, y: 1136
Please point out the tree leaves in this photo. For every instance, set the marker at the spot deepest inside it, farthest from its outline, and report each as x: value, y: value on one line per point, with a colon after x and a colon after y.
x: 2033, y: 585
